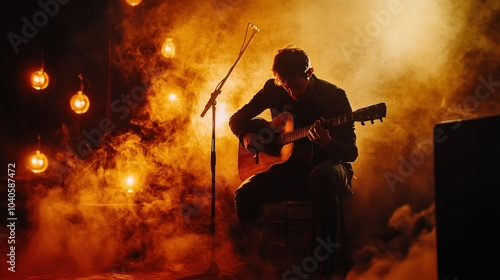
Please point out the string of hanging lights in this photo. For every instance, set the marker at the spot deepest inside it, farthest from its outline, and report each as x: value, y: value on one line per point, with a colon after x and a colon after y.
x: 37, y: 162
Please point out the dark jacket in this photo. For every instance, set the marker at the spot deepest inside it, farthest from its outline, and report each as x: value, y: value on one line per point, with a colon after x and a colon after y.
x: 323, y: 99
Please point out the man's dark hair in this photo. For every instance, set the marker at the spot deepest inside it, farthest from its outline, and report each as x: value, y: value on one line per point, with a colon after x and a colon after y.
x: 289, y: 62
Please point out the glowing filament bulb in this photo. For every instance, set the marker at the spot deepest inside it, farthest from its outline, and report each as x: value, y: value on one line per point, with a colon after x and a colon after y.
x: 80, y: 103
x: 168, y: 48
x: 38, y: 162
x: 130, y: 182
x: 133, y: 2
x: 39, y: 80
x: 172, y: 97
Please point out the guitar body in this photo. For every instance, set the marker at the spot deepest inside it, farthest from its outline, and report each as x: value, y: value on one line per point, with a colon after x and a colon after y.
x: 273, y: 153
x: 278, y: 137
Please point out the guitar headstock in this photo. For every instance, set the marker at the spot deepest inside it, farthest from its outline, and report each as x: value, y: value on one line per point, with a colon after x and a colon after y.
x: 370, y: 113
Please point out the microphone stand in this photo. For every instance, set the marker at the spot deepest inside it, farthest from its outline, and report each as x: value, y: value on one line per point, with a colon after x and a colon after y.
x: 213, y: 270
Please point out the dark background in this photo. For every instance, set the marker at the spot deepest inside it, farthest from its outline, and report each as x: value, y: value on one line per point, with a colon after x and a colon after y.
x: 77, y: 40
x: 388, y: 223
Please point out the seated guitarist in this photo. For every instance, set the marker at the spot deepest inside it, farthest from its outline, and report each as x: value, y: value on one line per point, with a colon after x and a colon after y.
x: 319, y: 169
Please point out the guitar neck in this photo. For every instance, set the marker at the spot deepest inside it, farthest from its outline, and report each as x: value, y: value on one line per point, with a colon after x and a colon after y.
x: 302, y: 132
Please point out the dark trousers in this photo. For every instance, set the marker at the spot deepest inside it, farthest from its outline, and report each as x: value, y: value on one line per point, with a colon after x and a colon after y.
x: 324, y: 185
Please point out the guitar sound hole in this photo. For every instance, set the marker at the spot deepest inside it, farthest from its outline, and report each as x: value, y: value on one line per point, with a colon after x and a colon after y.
x: 273, y: 148
x: 269, y: 135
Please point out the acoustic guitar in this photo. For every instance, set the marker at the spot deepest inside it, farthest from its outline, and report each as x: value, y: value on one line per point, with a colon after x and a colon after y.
x: 278, y: 137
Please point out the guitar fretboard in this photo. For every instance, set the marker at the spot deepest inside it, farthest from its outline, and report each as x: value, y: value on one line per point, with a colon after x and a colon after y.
x: 300, y: 133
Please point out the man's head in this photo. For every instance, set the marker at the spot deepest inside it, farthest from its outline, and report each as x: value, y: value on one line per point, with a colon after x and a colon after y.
x: 292, y: 69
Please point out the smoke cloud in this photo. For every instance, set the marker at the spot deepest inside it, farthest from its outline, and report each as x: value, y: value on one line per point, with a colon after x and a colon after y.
x: 142, y: 200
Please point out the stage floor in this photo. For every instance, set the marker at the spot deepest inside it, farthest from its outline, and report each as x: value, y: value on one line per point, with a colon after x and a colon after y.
x: 117, y: 276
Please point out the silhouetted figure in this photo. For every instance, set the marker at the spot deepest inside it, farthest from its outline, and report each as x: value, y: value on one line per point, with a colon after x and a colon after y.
x: 317, y: 168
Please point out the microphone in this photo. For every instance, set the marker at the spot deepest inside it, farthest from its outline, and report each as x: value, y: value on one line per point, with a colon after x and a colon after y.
x: 254, y: 28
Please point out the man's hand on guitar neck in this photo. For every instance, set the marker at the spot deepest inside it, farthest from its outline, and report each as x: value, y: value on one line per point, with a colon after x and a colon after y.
x: 319, y: 135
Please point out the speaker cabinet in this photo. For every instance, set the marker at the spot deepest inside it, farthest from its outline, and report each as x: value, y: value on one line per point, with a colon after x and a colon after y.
x: 467, y: 183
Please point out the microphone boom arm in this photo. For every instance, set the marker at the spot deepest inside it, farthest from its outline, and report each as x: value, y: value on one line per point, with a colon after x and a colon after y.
x: 217, y: 90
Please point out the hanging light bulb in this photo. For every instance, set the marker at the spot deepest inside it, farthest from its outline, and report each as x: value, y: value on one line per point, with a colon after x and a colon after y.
x: 130, y: 182
x: 39, y: 79
x: 133, y: 2
x: 80, y: 103
x: 38, y: 162
x: 168, y: 48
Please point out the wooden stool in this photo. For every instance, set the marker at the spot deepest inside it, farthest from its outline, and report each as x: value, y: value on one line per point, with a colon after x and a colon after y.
x: 290, y: 237
x: 289, y: 233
